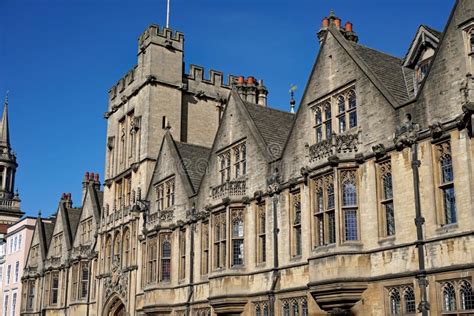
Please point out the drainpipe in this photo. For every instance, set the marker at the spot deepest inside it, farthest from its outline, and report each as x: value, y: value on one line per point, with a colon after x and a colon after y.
x: 191, y: 265
x: 275, y: 272
x: 424, y: 306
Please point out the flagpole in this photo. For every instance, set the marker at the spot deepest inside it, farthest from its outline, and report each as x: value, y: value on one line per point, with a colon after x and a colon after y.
x: 167, y: 13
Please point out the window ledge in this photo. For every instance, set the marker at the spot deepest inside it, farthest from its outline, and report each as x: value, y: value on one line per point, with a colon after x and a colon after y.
x: 356, y: 244
x: 447, y: 228
x: 387, y: 240
x: 324, y: 248
x: 296, y: 258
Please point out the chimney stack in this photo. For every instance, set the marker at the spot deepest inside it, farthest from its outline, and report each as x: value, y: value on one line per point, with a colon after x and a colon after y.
x: 252, y: 90
x: 334, y: 21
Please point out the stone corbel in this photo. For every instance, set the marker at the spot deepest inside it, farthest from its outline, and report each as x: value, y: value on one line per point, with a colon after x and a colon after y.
x: 379, y: 150
x: 436, y: 130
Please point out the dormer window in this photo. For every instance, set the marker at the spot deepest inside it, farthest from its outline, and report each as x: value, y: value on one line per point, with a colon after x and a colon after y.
x: 422, y: 69
x: 165, y: 194
x: 345, y: 105
x: 235, y: 157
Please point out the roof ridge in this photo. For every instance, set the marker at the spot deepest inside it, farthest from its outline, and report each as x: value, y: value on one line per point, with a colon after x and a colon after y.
x: 268, y: 108
x: 189, y: 144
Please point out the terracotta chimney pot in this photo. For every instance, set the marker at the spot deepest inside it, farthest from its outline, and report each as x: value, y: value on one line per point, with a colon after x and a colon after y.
x: 325, y: 22
x: 241, y: 80
x: 250, y: 80
x: 87, y: 176
x: 348, y: 26
x: 337, y: 22
x: 97, y: 177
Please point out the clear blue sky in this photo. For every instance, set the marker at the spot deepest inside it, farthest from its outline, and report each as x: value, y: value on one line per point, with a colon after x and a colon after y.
x: 59, y: 58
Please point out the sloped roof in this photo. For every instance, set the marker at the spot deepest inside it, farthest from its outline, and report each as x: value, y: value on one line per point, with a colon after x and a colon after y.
x: 389, y: 71
x: 432, y: 31
x: 194, y: 160
x: 74, y: 216
x: 274, y: 126
x: 48, y: 231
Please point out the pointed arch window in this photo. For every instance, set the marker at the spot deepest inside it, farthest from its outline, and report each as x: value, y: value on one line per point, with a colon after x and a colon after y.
x: 446, y: 183
x: 324, y: 210
x: 349, y: 205
x: 151, y: 260
x: 261, y: 234
x: 394, y: 302
x: 237, y: 237
x: 352, y: 111
x: 220, y: 240
x: 126, y: 248
x: 387, y: 212
x: 466, y: 296
x: 409, y: 300
x: 341, y: 107
x: 296, y: 223
x: 318, y: 128
x: 471, y: 41
x: 327, y: 120
x: 449, y: 297
x: 165, y: 263
x: 108, y: 253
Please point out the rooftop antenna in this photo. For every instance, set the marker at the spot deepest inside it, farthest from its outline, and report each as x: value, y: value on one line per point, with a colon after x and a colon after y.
x: 167, y: 14
x: 292, y: 97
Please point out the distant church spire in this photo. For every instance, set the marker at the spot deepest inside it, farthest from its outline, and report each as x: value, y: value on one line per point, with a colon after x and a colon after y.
x: 4, y: 131
x: 9, y: 200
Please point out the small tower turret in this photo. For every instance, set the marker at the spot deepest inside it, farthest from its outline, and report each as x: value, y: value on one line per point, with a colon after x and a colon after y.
x: 9, y: 200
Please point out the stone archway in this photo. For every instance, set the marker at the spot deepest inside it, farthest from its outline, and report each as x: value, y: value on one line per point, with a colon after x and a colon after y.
x: 115, y: 307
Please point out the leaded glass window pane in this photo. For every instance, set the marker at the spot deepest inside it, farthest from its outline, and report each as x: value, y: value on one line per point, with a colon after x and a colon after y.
x: 466, y: 295
x: 350, y: 223
x: 390, y: 218
x: 349, y: 194
x: 449, y: 205
x: 449, y: 297
x: 395, y: 302
x: 409, y: 297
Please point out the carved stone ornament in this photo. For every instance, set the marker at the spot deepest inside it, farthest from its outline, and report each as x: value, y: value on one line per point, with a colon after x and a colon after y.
x: 116, y: 282
x: 273, y: 183
x: 110, y: 142
x: 379, y: 150
x: 466, y: 120
x: 436, y: 130
x: 167, y: 215
x: 406, y: 134
x: 344, y: 143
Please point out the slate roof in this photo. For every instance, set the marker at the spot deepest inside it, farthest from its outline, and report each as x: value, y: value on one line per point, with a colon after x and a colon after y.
x: 389, y: 70
x: 194, y: 159
x: 48, y: 230
x: 74, y: 216
x: 274, y: 126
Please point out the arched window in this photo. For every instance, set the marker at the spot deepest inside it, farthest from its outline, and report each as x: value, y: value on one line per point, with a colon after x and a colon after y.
x: 352, y: 109
x: 257, y: 310
x: 237, y: 237
x: 165, y: 259
x: 318, y: 120
x: 295, y: 308
x: 304, y: 307
x: 446, y: 183
x: 349, y: 193
x: 117, y: 246
x: 265, y: 310
x: 286, y: 309
x: 394, y: 301
x: 349, y: 204
x: 466, y: 295
x: 126, y: 248
x: 388, y: 215
x: 108, y: 253
x: 449, y: 297
x: 327, y: 120
x: 409, y: 298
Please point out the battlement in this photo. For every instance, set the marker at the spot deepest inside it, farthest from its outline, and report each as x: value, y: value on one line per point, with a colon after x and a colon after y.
x: 161, y: 36
x: 123, y: 83
x: 216, y: 78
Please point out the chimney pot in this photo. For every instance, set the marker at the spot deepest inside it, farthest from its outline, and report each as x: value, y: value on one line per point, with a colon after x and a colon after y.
x: 348, y: 26
x: 250, y: 80
x: 97, y: 177
x: 325, y: 22
x: 241, y: 80
x: 87, y: 176
x: 337, y: 22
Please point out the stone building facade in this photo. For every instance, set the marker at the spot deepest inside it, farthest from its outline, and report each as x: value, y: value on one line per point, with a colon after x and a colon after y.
x: 213, y: 203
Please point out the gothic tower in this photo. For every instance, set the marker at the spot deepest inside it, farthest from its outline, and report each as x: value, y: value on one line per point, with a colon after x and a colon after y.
x: 9, y: 200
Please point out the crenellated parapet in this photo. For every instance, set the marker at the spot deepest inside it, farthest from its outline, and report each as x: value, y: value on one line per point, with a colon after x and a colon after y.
x: 123, y: 84
x: 162, y: 36
x: 215, y: 78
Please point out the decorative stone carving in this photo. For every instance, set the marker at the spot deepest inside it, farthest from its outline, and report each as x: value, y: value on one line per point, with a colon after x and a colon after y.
x: 116, y: 282
x: 167, y: 215
x: 379, y: 150
x: 110, y: 142
x: 436, y: 130
x: 273, y: 183
x: 406, y: 134
x: 344, y: 143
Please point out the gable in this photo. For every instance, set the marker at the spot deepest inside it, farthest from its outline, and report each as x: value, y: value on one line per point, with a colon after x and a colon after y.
x: 423, y: 46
